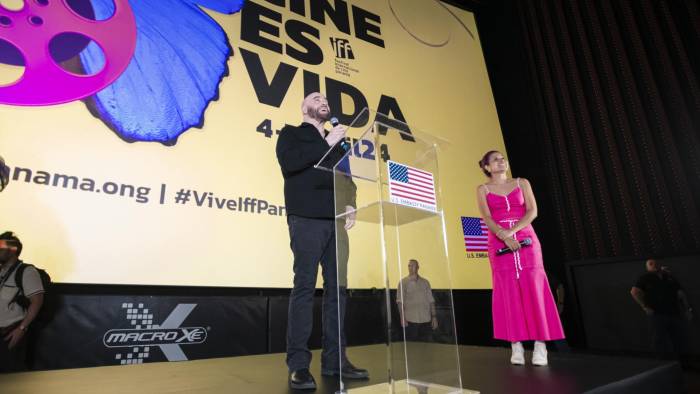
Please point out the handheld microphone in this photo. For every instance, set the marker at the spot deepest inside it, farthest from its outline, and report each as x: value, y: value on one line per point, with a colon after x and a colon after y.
x: 343, y: 144
x: 524, y: 242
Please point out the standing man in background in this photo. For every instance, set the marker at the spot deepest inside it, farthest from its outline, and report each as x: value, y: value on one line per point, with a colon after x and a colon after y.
x: 14, y: 318
x: 311, y: 210
x: 416, y: 305
x: 661, y: 297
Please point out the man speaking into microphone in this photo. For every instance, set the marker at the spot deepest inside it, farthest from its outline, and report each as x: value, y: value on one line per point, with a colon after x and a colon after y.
x: 310, y: 201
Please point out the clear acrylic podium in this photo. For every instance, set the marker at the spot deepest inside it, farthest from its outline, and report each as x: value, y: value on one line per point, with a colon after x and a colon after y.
x: 387, y: 181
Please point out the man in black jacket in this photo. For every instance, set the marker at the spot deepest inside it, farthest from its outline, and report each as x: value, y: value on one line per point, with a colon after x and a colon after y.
x: 311, y: 210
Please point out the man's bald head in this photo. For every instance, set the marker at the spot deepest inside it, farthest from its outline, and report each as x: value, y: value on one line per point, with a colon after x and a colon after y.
x: 315, y: 107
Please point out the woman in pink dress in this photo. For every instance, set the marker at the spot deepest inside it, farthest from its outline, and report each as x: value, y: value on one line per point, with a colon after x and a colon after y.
x: 523, y: 306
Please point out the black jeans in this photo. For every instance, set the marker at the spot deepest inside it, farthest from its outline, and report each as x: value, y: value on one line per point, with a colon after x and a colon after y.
x: 419, y: 332
x: 314, y: 241
x: 667, y: 335
x: 12, y: 360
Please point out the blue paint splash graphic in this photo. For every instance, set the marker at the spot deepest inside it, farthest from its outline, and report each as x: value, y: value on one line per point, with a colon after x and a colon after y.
x: 179, y: 62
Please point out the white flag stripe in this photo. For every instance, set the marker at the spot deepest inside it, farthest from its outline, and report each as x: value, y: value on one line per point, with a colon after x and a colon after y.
x: 419, y: 187
x: 416, y: 185
x: 418, y: 175
x: 408, y: 188
x: 422, y: 186
x: 420, y: 171
x: 426, y: 182
x: 412, y: 193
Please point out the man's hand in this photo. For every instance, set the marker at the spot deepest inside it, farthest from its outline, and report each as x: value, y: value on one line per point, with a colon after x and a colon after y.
x: 404, y: 323
x: 14, y: 337
x: 349, y: 217
x: 434, y: 323
x: 648, y: 310
x: 336, y: 134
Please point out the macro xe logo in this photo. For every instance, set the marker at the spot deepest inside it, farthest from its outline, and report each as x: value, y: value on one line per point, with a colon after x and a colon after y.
x: 128, y: 338
x: 168, y: 336
x: 342, y: 48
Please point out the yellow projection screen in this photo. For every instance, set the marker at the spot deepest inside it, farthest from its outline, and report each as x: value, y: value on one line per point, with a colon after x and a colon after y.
x: 140, y: 135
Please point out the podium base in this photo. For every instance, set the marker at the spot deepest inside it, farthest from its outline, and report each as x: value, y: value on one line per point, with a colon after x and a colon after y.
x: 407, y: 386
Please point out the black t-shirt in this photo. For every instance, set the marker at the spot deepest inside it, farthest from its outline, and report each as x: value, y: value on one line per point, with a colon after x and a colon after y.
x: 660, y: 292
x: 309, y: 192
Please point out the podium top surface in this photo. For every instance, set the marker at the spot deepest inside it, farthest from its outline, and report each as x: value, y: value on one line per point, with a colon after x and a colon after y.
x: 393, y: 214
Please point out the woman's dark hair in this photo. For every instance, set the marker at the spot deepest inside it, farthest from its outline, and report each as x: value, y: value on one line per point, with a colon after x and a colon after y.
x: 485, y: 161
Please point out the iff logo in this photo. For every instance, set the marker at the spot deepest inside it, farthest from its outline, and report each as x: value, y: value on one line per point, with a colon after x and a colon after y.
x: 168, y: 336
x: 342, y: 48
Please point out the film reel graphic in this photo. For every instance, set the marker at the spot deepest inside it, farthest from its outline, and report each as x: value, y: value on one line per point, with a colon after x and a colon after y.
x: 44, y: 82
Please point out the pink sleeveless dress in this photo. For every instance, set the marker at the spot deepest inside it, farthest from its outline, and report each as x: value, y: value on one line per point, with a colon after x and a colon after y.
x: 523, y: 306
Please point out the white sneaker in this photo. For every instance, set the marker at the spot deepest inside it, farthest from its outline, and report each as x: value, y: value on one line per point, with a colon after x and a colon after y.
x: 518, y: 357
x: 539, y: 355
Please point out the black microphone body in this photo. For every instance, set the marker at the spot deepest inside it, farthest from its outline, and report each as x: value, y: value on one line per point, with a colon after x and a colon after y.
x: 343, y: 144
x: 524, y: 242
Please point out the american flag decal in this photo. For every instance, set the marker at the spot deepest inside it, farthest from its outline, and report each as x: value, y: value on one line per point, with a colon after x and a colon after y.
x: 476, y: 235
x: 411, y: 186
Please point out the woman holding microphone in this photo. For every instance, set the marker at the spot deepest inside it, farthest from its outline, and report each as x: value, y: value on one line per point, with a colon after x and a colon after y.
x: 523, y: 306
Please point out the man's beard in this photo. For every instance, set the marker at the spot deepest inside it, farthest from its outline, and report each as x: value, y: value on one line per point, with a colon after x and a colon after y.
x: 321, y: 116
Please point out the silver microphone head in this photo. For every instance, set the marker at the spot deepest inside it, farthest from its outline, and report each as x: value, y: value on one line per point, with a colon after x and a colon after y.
x: 334, y: 121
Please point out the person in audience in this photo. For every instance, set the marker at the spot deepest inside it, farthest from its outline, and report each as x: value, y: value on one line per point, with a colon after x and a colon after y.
x: 15, y: 318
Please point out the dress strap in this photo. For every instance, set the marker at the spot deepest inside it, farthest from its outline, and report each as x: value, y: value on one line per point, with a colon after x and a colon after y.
x: 517, y: 181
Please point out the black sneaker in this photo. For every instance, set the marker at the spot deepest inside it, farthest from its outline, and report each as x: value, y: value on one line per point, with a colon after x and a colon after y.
x: 302, y: 379
x: 349, y: 372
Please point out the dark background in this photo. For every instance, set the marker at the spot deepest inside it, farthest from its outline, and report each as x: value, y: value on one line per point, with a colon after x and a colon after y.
x: 599, y: 103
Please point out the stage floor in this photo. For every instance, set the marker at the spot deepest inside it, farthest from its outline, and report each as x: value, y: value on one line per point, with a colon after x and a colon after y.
x: 484, y: 369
